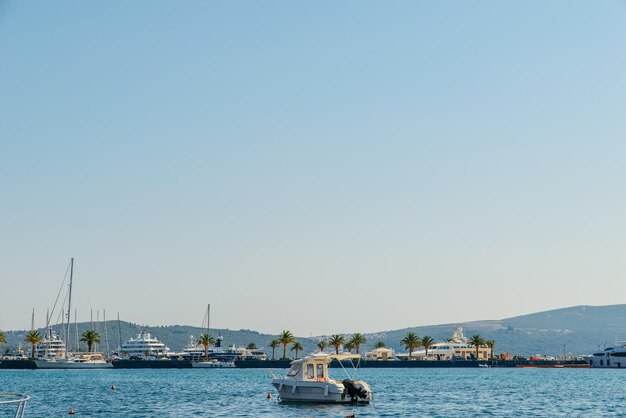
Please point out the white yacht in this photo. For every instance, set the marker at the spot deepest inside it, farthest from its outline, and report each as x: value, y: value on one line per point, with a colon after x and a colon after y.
x: 307, y: 381
x: 80, y: 361
x: 456, y: 348
x: 143, y: 347
x: 612, y: 357
x: 51, y: 347
x: 195, y: 352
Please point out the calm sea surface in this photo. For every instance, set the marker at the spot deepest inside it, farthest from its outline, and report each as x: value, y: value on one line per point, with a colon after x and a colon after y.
x: 398, y: 392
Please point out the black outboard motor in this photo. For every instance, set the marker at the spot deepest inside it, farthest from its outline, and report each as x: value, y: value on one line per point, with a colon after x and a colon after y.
x: 354, y: 391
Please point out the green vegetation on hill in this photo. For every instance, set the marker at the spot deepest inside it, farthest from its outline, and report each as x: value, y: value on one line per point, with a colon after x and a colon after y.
x: 575, y: 330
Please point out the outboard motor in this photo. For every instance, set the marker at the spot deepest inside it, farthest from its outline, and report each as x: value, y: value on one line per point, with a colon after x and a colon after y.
x: 354, y: 391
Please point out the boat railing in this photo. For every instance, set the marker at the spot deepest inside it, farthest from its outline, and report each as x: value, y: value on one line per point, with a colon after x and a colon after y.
x: 15, y: 399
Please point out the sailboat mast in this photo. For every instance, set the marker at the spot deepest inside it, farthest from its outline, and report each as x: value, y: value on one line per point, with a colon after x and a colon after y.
x: 208, y: 319
x: 76, y: 330
x: 119, y: 333
x: 69, y: 305
x: 106, y: 335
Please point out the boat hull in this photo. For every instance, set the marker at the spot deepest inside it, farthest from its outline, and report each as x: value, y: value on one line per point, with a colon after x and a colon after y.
x: 291, y: 390
x: 211, y: 365
x: 40, y: 364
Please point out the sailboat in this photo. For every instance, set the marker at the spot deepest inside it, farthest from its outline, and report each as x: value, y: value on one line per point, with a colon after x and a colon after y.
x: 212, y: 363
x: 61, y: 358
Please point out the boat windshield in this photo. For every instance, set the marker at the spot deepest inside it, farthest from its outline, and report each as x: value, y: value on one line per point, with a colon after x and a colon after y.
x: 295, y: 368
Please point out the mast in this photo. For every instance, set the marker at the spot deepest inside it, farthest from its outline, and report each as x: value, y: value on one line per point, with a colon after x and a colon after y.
x: 76, y: 330
x: 208, y: 319
x: 47, y: 335
x: 69, y: 305
x: 119, y: 333
x: 64, y: 331
x: 106, y: 334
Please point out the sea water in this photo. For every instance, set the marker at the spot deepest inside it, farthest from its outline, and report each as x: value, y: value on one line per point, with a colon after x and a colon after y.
x: 243, y: 393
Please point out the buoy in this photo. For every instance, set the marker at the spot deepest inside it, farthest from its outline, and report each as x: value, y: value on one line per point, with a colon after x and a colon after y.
x: 269, y: 396
x: 113, y: 387
x: 72, y: 412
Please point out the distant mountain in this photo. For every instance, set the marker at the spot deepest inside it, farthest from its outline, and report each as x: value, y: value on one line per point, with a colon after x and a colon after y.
x: 576, y: 330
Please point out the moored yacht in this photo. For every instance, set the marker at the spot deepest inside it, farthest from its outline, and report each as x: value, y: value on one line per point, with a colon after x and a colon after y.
x: 143, y: 347
x: 195, y: 352
x: 611, y: 357
x: 456, y: 348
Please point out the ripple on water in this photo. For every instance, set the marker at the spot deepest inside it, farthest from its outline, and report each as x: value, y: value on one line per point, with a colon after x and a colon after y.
x: 398, y: 392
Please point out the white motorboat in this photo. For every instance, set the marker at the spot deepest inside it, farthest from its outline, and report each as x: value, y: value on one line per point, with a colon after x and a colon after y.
x: 307, y: 381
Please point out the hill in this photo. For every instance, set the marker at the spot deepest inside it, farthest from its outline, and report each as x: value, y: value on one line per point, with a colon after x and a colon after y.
x: 575, y: 330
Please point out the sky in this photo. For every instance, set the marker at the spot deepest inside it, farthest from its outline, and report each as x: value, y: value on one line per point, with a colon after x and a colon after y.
x: 316, y: 166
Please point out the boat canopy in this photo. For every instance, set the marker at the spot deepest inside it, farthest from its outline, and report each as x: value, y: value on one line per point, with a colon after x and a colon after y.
x: 327, y: 358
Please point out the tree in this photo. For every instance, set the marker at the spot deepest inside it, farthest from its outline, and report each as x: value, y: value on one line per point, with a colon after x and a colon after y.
x: 491, y: 344
x: 285, y: 338
x: 33, y: 337
x: 380, y: 344
x: 274, y: 344
x: 3, y: 338
x: 322, y: 344
x: 411, y: 341
x: 90, y: 337
x: 297, y: 346
x: 336, y: 341
x: 251, y: 346
x: 476, y: 341
x: 348, y: 345
x: 206, y: 340
x: 356, y: 340
x: 427, y: 342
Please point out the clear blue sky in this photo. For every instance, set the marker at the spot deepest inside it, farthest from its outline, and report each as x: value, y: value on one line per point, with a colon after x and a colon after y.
x: 314, y: 166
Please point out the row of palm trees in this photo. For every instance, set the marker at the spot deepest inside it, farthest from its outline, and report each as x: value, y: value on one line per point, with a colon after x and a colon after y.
x: 34, y: 337
x: 336, y: 341
x: 410, y: 341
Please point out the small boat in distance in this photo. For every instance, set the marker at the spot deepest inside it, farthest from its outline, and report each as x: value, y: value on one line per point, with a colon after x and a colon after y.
x: 307, y: 381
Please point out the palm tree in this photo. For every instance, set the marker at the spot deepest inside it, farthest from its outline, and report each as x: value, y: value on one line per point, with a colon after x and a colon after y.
x: 356, y: 340
x: 322, y: 344
x: 476, y: 341
x: 297, y: 346
x: 491, y: 344
x: 3, y: 338
x: 33, y: 337
x: 380, y: 344
x: 90, y: 337
x: 274, y: 344
x: 285, y: 338
x: 348, y: 345
x: 336, y: 341
x: 411, y: 341
x: 251, y: 346
x: 427, y: 342
x: 206, y: 340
